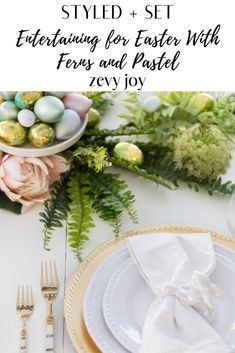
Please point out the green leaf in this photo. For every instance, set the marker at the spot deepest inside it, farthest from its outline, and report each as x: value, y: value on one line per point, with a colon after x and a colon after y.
x: 144, y: 171
x: 94, y: 157
x: 9, y: 205
x: 80, y: 211
x: 111, y: 199
x: 55, y: 210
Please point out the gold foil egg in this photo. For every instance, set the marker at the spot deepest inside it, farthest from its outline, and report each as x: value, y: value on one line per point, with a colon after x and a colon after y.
x: 26, y: 100
x: 41, y: 135
x: 93, y: 117
x: 12, y: 133
x: 129, y: 153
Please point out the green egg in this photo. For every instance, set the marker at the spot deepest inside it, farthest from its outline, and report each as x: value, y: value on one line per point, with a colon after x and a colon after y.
x: 26, y: 100
x: 93, y: 117
x: 8, y: 95
x: 41, y: 135
x: 8, y: 111
x: 12, y: 133
x: 49, y: 109
x: 129, y: 153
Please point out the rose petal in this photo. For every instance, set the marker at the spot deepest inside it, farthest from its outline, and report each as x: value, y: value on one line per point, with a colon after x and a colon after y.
x: 26, y: 180
x: 60, y: 166
x: 38, y: 162
x: 11, y: 195
x: 13, y: 176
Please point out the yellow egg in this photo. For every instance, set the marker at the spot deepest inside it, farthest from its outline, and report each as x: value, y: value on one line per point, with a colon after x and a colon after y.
x: 12, y: 133
x: 41, y: 135
x: 128, y: 152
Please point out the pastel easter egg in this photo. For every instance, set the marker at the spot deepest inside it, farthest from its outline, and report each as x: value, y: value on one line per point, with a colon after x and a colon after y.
x: 77, y: 102
x: 26, y: 100
x: 41, y: 135
x: 26, y: 118
x: 69, y: 124
x: 151, y: 104
x: 8, y: 95
x: 49, y: 109
x: 12, y: 133
x: 58, y: 94
x: 128, y: 152
x: 93, y: 117
x: 8, y: 111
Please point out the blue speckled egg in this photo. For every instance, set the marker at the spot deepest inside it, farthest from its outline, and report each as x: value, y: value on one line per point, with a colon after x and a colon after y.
x: 26, y: 118
x: 49, y: 109
x: 8, y: 111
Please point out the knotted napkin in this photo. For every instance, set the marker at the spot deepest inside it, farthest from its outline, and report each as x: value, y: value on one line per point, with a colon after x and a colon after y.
x: 177, y: 269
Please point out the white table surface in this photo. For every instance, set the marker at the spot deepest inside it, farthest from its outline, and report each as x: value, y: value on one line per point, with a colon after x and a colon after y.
x: 21, y: 249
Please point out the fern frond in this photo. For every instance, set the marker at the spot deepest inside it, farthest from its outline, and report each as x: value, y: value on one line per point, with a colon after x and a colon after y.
x: 80, y: 211
x: 144, y: 172
x: 94, y: 157
x: 112, y: 199
x: 123, y: 130
x: 212, y: 186
x: 55, y: 210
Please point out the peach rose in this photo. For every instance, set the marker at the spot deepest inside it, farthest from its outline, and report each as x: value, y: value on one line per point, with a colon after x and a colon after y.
x: 27, y: 180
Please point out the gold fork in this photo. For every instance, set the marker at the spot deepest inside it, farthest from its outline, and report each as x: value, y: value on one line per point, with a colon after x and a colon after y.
x: 49, y: 288
x: 24, y: 308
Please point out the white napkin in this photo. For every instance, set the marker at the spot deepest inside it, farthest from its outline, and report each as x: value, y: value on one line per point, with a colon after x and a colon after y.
x: 177, y: 269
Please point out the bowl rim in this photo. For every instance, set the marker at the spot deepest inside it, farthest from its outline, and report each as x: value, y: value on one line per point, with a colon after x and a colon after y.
x: 46, y: 151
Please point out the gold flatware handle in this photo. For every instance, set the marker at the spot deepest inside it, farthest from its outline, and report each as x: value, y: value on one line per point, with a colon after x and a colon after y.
x: 24, y: 309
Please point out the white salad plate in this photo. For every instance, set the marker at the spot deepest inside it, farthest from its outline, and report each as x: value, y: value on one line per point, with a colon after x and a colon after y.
x: 117, y: 300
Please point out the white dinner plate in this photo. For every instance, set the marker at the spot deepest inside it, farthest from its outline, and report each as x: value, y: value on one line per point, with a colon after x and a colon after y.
x: 127, y: 299
x: 93, y: 302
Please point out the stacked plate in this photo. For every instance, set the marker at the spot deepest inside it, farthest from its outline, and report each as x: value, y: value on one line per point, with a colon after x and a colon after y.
x: 113, y: 298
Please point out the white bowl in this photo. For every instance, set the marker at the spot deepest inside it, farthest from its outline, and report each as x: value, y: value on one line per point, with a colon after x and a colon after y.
x: 58, y: 146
